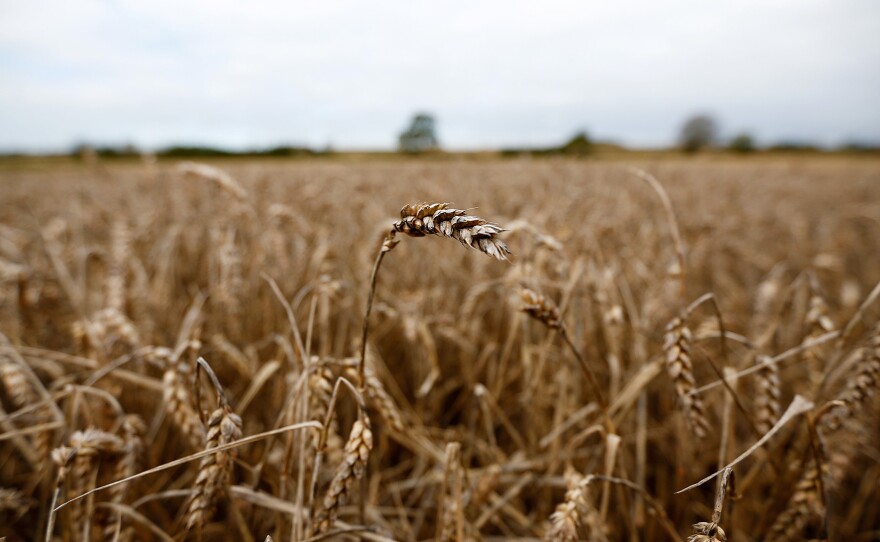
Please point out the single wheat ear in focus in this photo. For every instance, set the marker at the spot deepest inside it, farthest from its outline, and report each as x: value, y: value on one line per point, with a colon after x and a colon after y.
x: 423, y: 219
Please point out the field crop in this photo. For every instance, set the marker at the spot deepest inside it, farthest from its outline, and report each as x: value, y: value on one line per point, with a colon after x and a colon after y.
x: 194, y: 332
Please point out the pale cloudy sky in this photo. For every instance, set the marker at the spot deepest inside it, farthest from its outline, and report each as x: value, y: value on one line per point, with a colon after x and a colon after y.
x: 350, y: 73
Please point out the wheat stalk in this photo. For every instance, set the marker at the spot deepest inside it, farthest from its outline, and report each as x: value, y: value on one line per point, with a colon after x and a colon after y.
x: 710, y: 531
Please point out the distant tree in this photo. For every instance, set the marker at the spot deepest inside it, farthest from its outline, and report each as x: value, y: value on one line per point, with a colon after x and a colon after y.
x: 859, y: 146
x: 742, y: 143
x: 579, y: 145
x: 698, y: 131
x: 420, y: 136
x: 183, y: 151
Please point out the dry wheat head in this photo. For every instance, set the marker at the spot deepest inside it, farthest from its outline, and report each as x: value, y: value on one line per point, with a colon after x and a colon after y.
x: 424, y: 219
x: 705, y: 531
x: 354, y: 464
x: 224, y: 426
x: 540, y: 308
x: 566, y: 519
x: 677, y: 348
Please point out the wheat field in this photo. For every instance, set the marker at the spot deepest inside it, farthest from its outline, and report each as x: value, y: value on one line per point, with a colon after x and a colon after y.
x: 194, y: 332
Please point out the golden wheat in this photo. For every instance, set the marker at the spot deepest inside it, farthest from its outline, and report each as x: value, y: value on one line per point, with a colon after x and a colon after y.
x: 268, y: 262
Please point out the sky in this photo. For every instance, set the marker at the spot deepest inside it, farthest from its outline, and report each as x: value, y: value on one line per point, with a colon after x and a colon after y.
x: 350, y: 74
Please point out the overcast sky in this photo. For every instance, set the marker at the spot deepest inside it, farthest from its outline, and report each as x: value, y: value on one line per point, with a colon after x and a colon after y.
x: 350, y: 74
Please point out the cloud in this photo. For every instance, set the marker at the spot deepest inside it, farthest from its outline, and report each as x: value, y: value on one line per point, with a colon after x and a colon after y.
x: 494, y: 73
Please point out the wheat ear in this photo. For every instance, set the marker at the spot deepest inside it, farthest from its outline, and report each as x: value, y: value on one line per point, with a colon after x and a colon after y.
x: 132, y: 433
x: 677, y: 348
x: 451, y: 524
x: 354, y: 465
x: 11, y: 500
x: 91, y: 446
x: 21, y: 393
x: 767, y: 395
x: 217, y: 176
x: 421, y: 219
x: 64, y: 457
x: 224, y: 426
x: 859, y: 388
x: 566, y: 519
x: 804, y: 505
x: 705, y: 531
x: 14, y: 379
x: 177, y: 381
x: 380, y: 400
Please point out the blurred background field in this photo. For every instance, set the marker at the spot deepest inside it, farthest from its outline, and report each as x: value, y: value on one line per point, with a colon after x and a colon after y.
x: 104, y: 259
